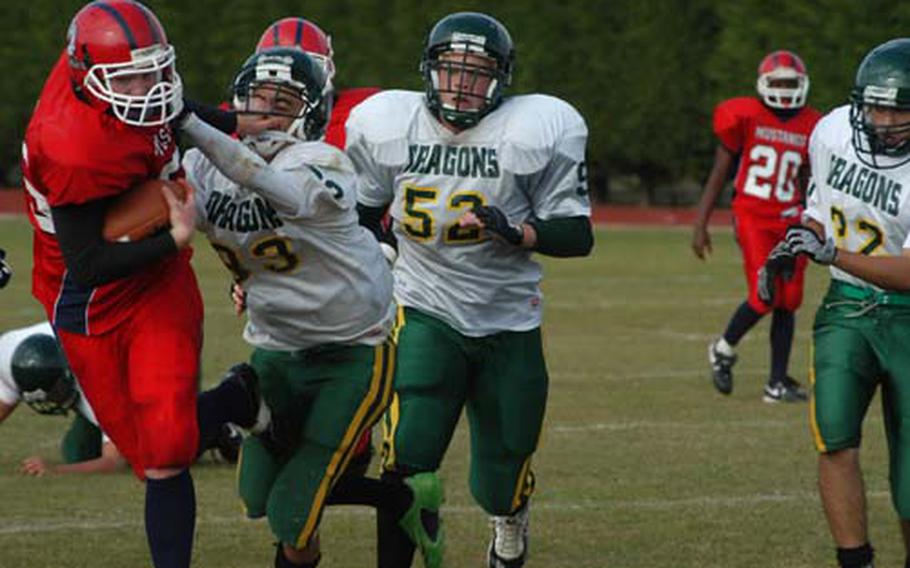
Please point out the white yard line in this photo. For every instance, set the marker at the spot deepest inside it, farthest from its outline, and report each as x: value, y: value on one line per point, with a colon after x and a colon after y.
x: 51, y: 525
x: 643, y: 424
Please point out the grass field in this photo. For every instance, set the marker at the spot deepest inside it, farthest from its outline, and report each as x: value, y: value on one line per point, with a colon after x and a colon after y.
x: 641, y: 465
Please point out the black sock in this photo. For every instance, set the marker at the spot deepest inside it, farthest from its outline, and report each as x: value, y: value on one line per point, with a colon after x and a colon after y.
x: 281, y: 561
x: 744, y: 318
x: 225, y: 403
x: 782, y: 324
x: 170, y: 519
x: 859, y: 557
x: 377, y: 493
x: 395, y: 549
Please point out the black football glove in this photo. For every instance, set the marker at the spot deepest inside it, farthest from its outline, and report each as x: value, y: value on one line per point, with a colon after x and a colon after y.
x: 5, y: 271
x: 780, y: 262
x: 803, y: 240
x: 495, y: 221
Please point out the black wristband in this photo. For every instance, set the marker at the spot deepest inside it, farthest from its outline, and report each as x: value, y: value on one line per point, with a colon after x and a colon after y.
x: 223, y: 120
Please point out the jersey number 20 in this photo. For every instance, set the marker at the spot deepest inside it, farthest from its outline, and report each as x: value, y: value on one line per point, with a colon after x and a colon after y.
x: 770, y: 171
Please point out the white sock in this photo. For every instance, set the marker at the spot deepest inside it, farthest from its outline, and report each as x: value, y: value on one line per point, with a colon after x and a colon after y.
x: 723, y: 347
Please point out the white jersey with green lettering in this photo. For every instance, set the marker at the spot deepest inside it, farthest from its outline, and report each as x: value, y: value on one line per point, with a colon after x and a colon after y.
x: 9, y: 391
x: 526, y: 158
x: 864, y: 208
x: 312, y: 274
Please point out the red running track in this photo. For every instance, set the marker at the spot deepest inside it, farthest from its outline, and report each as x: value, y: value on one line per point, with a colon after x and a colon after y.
x: 13, y: 202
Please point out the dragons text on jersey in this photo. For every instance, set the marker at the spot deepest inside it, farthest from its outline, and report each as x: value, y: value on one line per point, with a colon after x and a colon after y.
x: 461, y: 161
x: 864, y: 183
x: 245, y: 215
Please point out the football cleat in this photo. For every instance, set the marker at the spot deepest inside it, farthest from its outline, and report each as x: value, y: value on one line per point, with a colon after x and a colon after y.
x: 721, y: 368
x: 227, y: 445
x: 421, y: 521
x: 258, y: 415
x: 787, y: 390
x: 509, y: 544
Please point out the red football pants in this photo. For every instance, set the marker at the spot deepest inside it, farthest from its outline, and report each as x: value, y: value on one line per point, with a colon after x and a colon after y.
x: 141, y: 377
x: 756, y: 237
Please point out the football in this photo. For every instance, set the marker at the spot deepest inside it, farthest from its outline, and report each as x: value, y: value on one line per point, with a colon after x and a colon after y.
x: 140, y: 211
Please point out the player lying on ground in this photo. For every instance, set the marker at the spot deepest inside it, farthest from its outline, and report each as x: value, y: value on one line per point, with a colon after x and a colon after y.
x: 33, y: 370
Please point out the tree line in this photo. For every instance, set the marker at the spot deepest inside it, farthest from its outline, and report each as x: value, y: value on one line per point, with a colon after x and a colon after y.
x: 646, y: 74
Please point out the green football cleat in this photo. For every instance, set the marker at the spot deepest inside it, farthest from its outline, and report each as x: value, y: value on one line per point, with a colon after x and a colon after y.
x: 424, y: 511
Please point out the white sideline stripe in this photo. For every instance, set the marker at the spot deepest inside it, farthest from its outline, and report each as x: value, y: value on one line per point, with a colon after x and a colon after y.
x: 583, y: 304
x: 667, y: 374
x: 638, y: 425
x: 55, y: 525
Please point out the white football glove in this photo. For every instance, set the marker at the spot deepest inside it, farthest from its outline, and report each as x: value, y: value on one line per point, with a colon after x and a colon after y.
x: 803, y: 240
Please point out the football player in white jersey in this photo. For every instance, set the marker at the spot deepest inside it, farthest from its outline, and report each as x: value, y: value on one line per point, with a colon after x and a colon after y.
x: 280, y: 209
x: 475, y: 183
x: 34, y: 370
x: 858, y: 223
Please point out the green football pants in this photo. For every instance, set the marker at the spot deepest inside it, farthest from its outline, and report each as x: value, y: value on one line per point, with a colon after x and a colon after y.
x: 501, y: 379
x: 325, y: 398
x: 861, y: 342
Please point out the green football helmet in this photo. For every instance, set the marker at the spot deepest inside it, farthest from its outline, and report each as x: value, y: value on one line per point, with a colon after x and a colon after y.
x: 882, y: 81
x: 464, y: 34
x: 289, y: 70
x: 42, y: 375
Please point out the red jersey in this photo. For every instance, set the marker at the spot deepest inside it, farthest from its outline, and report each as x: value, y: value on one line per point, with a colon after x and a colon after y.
x: 73, y: 153
x: 771, y: 150
x: 345, y: 101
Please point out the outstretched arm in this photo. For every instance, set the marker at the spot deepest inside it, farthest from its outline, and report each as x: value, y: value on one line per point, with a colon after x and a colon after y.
x: 246, y: 168
x: 110, y: 461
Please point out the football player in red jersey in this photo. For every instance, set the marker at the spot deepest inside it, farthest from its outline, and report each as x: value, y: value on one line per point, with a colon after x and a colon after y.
x: 769, y: 136
x: 128, y: 315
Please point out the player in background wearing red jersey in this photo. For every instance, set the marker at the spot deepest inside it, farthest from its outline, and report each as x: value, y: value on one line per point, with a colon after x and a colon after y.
x: 769, y: 135
x: 128, y: 315
x: 306, y: 35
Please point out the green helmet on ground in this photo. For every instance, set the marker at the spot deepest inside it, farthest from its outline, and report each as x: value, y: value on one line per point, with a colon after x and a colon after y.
x: 42, y: 375
x: 882, y: 82
x: 466, y: 34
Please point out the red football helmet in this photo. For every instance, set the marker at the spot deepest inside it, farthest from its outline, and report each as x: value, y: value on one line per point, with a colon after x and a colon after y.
x: 119, y: 55
x: 304, y: 35
x: 783, y: 66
